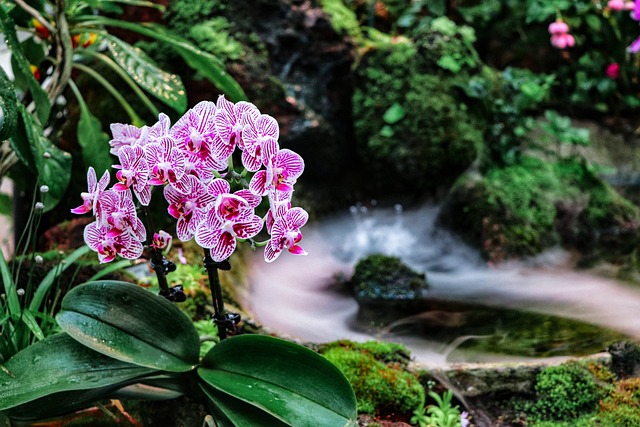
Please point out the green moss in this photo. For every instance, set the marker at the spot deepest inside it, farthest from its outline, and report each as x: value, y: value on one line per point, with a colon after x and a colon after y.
x: 381, y: 277
x: 565, y: 392
x: 421, y: 144
x: 380, y: 388
x: 343, y: 19
x: 213, y: 36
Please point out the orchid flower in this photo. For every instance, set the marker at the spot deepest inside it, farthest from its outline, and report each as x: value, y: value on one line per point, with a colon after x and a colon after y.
x: 133, y: 173
x: 230, y: 120
x: 260, y: 141
x: 188, y: 208
x: 95, y: 188
x: 280, y: 174
x: 107, y: 244
x: 168, y: 162
x: 118, y: 212
x: 285, y: 233
x: 126, y: 136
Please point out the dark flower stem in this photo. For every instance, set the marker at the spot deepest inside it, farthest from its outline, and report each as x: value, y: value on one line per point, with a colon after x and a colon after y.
x: 224, y: 321
x: 159, y: 263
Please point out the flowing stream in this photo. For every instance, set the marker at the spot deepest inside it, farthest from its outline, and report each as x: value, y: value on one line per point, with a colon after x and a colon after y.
x: 297, y: 296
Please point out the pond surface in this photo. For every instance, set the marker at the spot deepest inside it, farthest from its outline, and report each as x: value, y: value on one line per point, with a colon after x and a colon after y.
x: 472, y: 312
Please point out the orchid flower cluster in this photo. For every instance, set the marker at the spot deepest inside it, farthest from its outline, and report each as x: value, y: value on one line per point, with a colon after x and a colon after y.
x: 192, y: 162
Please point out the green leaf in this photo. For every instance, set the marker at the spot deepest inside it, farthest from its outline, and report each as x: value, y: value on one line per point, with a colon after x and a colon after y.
x: 290, y: 382
x: 233, y: 412
x: 448, y: 62
x: 29, y: 320
x: 8, y: 107
x: 394, y: 114
x: 52, y: 164
x: 93, y: 141
x: 205, y: 63
x: 593, y: 21
x: 165, y: 86
x: 60, y: 364
x: 40, y: 98
x: 131, y: 324
x: 44, y: 286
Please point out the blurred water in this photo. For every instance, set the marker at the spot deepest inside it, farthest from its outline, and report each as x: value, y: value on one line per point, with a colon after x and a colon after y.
x: 294, y: 295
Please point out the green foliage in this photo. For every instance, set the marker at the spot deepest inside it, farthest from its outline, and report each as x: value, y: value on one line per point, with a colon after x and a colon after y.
x: 565, y: 392
x: 398, y: 134
x: 381, y: 277
x: 119, y: 335
x: 507, y: 101
x: 343, y: 19
x: 380, y: 388
x: 213, y: 36
x: 559, y: 130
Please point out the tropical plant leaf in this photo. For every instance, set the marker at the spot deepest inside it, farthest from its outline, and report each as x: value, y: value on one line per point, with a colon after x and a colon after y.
x: 166, y: 87
x: 8, y: 107
x: 52, y: 164
x: 233, y: 412
x: 60, y: 364
x: 205, y: 63
x: 40, y: 98
x: 31, y: 322
x: 128, y: 323
x: 290, y: 382
x: 93, y: 141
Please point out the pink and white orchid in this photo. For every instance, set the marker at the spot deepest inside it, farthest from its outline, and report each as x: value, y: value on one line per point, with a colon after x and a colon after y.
x: 95, y: 188
x: 107, y: 244
x: 188, y: 208
x: 280, y: 174
x: 285, y: 233
x: 133, y: 173
x: 118, y: 212
x: 260, y: 137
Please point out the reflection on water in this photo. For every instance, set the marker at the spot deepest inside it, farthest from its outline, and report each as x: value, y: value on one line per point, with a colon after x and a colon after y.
x: 294, y: 295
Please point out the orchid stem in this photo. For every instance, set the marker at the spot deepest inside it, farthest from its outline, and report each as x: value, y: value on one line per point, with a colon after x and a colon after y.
x: 224, y: 321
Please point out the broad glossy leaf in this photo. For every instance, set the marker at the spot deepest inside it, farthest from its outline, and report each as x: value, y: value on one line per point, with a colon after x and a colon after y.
x: 93, y: 141
x: 8, y: 107
x: 43, y: 106
x: 165, y: 86
x: 290, y: 382
x: 205, y: 63
x: 232, y: 412
x: 60, y: 364
x: 52, y: 164
x: 128, y: 323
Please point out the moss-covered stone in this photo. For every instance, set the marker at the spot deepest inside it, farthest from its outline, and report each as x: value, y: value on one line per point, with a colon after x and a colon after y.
x: 382, y: 384
x: 411, y: 131
x: 525, y: 208
x: 381, y: 278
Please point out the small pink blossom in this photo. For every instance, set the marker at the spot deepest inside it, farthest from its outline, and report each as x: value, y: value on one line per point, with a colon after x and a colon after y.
x: 629, y: 5
x: 613, y: 70
x: 161, y: 240
x: 635, y: 46
x: 616, y: 5
x: 285, y: 233
x: 635, y: 13
x: 562, y: 41
x: 95, y: 188
x: 107, y: 244
x: 558, y: 27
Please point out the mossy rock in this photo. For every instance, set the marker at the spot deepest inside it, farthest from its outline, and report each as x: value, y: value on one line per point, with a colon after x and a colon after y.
x: 385, y: 279
x: 411, y: 131
x: 522, y: 209
x: 378, y: 375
